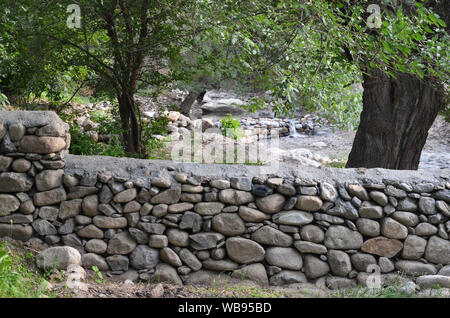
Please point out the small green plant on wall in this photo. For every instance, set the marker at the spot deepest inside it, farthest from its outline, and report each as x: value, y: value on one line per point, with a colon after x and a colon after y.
x: 99, y: 277
x: 231, y: 127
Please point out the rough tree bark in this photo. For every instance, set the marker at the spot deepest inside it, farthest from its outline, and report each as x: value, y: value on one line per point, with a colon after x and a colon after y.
x: 130, y: 125
x: 186, y: 104
x: 397, y: 114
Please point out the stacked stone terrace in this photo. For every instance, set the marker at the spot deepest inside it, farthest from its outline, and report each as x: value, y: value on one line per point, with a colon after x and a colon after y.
x: 32, y: 150
x: 189, y: 223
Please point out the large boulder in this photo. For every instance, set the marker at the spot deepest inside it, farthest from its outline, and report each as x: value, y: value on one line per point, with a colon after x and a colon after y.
x: 370, y: 211
x: 382, y: 246
x: 253, y: 272
x: 70, y: 208
x: 244, y: 251
x: 295, y: 218
x: 180, y: 207
x: 339, y: 262
x: 438, y: 251
x: 118, y: 262
x: 306, y: 247
x: 433, y: 281
x: 89, y: 206
x: 270, y: 204
x: 235, y: 197
x: 267, y: 235
x: 308, y: 203
x: 15, y: 182
x: 125, y: 196
x: 414, y: 247
x: 50, y: 197
x: 284, y: 257
x: 219, y: 265
x: 315, y: 268
x: 49, y: 179
x: 427, y: 205
x: 166, y: 273
x: 144, y: 257
x: 252, y: 215
x: 16, y: 231
x: 41, y: 145
x: 406, y: 218
x: 52, y: 130
x: 208, y: 208
x: 178, y: 238
x: 362, y: 261
x: 5, y: 162
x: 342, y: 238
x: 204, y: 241
x: 16, y: 218
x: 358, y: 191
x: 90, y: 260
x: 8, y: 204
x: 90, y: 231
x: 43, y: 227
x: 190, y: 259
x: 312, y: 233
x: 414, y: 268
x: 392, y: 229
x: 368, y: 227
x: 286, y: 277
x: 59, y: 257
x: 229, y: 224
x: 328, y: 192
x: 169, y: 196
x: 170, y: 257
x: 96, y: 246
x: 121, y: 243
x: 105, y: 222
x: 191, y: 221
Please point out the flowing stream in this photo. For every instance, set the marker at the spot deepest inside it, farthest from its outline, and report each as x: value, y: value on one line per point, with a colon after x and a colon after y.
x: 293, y: 133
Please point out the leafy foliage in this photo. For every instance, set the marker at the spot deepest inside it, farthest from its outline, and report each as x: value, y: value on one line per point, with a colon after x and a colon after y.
x: 231, y: 127
x: 155, y: 148
x: 99, y: 276
x: 3, y: 100
x: 309, y: 54
x: 17, y: 280
x: 83, y: 143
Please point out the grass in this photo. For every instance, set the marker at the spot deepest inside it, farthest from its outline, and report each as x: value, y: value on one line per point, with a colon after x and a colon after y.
x: 387, y: 291
x: 18, y: 277
x: 251, y: 292
x: 236, y: 291
x: 337, y: 162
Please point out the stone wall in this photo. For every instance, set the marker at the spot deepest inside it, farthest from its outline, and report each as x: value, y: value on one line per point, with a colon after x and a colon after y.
x: 32, y: 148
x: 190, y: 222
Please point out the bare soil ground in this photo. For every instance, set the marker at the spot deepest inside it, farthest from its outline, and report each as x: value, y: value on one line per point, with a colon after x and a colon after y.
x: 108, y: 289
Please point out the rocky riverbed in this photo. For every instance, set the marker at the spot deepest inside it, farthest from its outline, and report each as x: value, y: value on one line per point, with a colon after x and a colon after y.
x: 317, y: 142
x: 314, y: 141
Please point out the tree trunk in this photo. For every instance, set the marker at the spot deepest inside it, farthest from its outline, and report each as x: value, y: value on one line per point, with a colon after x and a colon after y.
x: 397, y: 114
x: 130, y: 126
x: 187, y: 103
